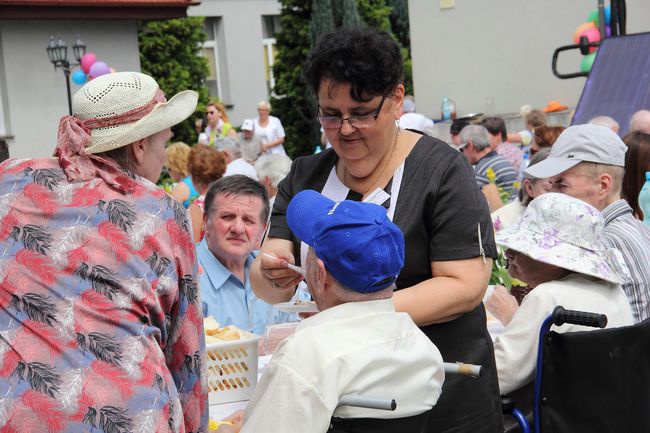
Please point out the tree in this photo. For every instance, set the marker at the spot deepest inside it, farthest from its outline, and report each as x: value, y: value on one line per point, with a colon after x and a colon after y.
x: 302, y: 21
x: 321, y: 20
x: 291, y: 93
x: 399, y: 23
x: 170, y: 53
x: 350, y: 14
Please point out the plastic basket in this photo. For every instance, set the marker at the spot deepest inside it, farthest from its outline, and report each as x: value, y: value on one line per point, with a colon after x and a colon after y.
x: 232, y: 369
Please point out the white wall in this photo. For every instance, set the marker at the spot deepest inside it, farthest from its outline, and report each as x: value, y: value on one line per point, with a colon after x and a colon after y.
x: 500, y: 50
x: 241, y: 51
x: 35, y: 93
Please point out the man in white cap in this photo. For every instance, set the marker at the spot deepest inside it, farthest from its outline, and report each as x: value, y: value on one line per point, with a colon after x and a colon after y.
x: 100, y: 310
x: 588, y: 162
x: 249, y: 141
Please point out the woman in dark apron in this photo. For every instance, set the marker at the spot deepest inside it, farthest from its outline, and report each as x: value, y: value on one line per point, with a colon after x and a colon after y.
x: 429, y: 191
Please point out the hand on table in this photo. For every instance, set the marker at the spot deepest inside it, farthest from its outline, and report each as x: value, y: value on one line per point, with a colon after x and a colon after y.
x: 501, y: 304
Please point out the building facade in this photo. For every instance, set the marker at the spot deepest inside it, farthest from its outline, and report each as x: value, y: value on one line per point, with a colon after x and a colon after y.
x: 240, y: 50
x: 33, y: 95
x: 493, y: 57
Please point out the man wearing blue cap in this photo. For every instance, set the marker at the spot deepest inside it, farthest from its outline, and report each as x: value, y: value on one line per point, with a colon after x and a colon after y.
x: 357, y: 344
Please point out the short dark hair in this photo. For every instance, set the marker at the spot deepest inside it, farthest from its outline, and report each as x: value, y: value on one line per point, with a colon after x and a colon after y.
x: 369, y: 59
x: 457, y: 125
x: 237, y: 184
x: 4, y: 150
x: 496, y: 125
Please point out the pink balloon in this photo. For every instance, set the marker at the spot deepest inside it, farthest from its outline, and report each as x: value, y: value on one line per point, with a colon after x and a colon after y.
x: 593, y: 35
x: 87, y: 61
x: 99, y: 68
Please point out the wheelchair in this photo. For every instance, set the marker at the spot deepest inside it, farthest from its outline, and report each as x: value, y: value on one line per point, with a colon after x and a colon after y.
x: 590, y: 381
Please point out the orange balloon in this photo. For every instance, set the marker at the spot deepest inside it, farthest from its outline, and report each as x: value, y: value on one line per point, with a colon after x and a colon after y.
x: 581, y: 28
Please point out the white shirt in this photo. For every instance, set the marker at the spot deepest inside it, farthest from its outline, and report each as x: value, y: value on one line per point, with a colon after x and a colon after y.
x: 269, y: 133
x: 508, y: 215
x: 359, y: 348
x: 240, y: 166
x: 515, y: 350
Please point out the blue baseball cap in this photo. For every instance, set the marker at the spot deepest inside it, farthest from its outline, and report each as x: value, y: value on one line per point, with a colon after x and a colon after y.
x: 359, y: 245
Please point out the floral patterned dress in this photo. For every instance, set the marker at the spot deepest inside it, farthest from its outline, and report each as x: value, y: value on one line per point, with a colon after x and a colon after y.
x: 100, y: 320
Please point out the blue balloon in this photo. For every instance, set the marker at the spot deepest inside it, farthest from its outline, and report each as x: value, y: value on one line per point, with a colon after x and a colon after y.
x: 608, y: 15
x: 79, y: 77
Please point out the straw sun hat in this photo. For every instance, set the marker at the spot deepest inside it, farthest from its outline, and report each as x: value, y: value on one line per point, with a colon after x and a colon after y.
x: 118, y: 93
x: 566, y: 232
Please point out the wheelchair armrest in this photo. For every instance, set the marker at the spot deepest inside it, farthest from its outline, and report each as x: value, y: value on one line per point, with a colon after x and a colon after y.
x: 367, y: 402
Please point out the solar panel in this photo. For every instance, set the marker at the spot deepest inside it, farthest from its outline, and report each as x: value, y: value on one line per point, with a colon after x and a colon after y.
x: 619, y: 82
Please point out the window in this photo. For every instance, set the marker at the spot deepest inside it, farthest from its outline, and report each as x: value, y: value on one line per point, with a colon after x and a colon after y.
x: 211, y: 52
x: 270, y: 26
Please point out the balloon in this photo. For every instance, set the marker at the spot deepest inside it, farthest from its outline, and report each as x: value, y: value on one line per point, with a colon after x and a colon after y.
x: 99, y: 68
x: 581, y: 28
x: 87, y: 61
x: 608, y: 31
x: 112, y: 70
x: 593, y: 16
x: 587, y: 62
x: 593, y: 35
x: 79, y: 77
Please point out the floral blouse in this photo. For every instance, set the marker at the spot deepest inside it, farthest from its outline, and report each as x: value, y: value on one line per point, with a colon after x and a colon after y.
x: 100, y: 320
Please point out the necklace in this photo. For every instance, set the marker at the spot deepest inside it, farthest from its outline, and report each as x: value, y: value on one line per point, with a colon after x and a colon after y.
x: 377, y: 178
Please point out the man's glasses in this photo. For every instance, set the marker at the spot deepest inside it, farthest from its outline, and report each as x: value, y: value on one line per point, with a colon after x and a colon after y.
x: 364, y: 121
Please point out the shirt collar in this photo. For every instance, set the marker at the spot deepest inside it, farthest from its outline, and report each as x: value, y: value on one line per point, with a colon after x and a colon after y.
x: 615, y: 210
x: 348, y: 309
x: 216, y: 272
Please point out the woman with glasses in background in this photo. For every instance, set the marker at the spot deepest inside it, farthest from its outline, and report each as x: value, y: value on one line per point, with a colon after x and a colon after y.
x: 218, y: 124
x: 428, y: 190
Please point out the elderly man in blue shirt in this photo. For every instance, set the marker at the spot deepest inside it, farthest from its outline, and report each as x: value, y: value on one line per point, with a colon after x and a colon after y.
x: 236, y: 211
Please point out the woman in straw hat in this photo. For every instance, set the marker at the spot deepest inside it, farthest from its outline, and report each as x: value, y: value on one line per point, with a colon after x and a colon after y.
x: 99, y: 310
x: 556, y: 248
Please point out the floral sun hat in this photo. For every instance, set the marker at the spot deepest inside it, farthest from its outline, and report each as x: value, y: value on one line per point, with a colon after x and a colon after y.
x: 566, y: 232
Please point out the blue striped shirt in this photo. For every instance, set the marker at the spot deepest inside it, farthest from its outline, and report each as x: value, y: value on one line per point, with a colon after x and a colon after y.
x: 632, y: 238
x: 505, y: 174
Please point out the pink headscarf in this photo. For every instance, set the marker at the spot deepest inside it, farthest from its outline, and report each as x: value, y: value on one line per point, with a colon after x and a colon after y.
x: 74, y: 136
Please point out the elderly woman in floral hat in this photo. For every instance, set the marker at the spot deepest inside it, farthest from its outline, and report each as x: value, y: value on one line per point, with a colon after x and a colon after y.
x: 99, y: 306
x: 556, y: 248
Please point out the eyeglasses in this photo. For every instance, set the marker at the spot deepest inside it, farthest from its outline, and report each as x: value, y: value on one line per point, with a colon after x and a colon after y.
x: 211, y: 112
x: 364, y: 121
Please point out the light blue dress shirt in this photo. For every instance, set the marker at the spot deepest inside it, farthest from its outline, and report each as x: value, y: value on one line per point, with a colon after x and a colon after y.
x: 231, y: 301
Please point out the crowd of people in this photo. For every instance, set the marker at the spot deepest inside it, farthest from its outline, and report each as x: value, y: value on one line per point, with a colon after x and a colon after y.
x: 106, y: 278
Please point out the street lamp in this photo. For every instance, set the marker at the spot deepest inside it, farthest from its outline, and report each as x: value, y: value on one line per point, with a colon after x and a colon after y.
x: 57, y: 51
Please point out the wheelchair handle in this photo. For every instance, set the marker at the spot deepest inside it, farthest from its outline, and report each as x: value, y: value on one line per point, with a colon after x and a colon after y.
x: 463, y: 369
x: 594, y: 320
x: 367, y: 402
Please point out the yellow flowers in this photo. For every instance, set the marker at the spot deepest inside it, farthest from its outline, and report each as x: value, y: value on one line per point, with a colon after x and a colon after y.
x: 492, y: 177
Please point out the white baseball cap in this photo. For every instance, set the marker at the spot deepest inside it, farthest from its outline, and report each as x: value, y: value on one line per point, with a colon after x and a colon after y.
x: 590, y: 143
x: 247, y: 125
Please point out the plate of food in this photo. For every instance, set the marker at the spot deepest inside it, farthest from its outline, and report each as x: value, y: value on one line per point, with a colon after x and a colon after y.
x: 297, y: 307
